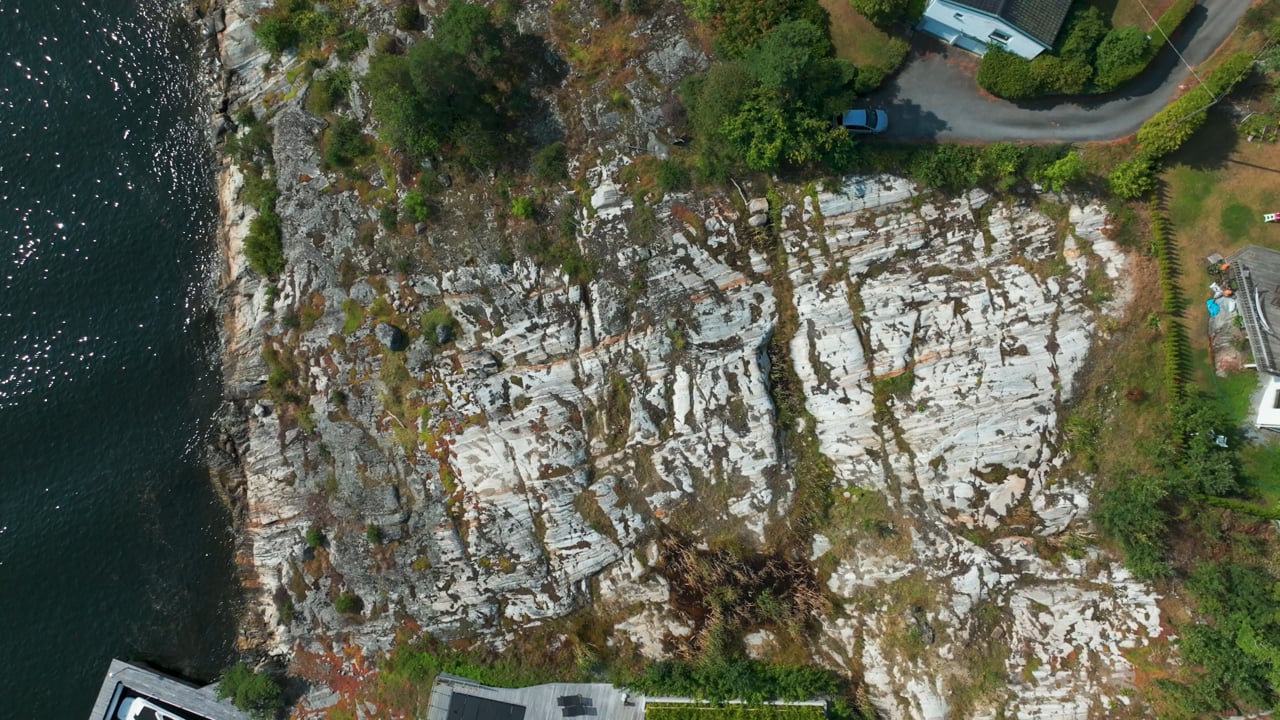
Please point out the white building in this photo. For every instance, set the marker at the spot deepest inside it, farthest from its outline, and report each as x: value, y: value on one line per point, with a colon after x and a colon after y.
x: 1023, y: 27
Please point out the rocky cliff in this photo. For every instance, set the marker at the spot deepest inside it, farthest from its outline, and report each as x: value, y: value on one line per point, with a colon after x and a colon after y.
x: 486, y: 442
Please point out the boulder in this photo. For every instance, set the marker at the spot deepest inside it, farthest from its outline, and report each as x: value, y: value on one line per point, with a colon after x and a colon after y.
x: 390, y: 336
x: 757, y: 206
x: 444, y: 334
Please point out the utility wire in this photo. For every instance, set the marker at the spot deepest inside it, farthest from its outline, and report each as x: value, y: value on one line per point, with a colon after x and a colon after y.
x: 1172, y: 47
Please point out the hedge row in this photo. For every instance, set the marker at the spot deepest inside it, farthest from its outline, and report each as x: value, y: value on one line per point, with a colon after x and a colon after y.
x: 1168, y: 129
x: 1169, y: 21
x: 1177, y: 345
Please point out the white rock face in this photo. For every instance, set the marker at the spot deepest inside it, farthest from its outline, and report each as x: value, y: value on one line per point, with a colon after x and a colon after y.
x: 491, y: 482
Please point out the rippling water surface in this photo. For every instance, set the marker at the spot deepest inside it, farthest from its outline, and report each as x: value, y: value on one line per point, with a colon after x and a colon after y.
x: 111, y: 540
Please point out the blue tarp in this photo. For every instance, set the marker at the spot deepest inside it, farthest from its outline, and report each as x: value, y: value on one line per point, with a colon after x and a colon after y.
x: 1212, y: 305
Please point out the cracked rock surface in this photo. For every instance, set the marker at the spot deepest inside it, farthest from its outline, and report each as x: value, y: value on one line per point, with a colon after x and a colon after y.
x: 516, y: 466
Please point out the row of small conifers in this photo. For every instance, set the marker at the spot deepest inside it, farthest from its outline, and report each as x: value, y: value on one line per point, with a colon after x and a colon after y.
x: 1177, y: 346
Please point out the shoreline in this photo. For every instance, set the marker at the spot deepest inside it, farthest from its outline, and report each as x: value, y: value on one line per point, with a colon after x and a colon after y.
x: 224, y: 456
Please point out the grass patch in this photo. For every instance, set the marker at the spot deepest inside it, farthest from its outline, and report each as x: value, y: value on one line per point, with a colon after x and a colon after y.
x: 1130, y: 12
x: 1260, y: 467
x: 856, y: 39
x: 1187, y: 204
x: 1234, y: 391
x: 352, y: 316
x: 1237, y: 220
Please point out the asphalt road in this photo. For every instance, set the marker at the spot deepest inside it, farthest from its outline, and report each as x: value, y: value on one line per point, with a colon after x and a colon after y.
x: 935, y: 96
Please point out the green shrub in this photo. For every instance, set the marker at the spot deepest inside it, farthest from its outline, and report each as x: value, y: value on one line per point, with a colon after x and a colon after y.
x: 259, y: 188
x: 1083, y: 30
x: 946, y: 167
x: 436, y: 317
x: 1006, y: 75
x: 388, y: 215
x: 1054, y: 75
x: 350, y: 42
x: 256, y: 693
x: 415, y: 206
x: 407, y: 16
x: 253, y: 141
x: 275, y: 33
x: 1129, y: 512
x: 314, y: 27
x: 1121, y: 55
x: 348, y: 603
x: 550, y: 163
x: 1168, y: 129
x: 345, y: 143
x: 880, y: 12
x: 373, y: 534
x: 672, y: 176
x: 352, y: 316
x: 1168, y: 22
x: 1133, y: 178
x: 724, y: 678
x: 445, y: 91
x: 262, y: 246
x: 522, y: 206
x: 1067, y: 169
x: 315, y: 537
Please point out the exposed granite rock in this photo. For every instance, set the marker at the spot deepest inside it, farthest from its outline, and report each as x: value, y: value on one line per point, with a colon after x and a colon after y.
x: 487, y: 476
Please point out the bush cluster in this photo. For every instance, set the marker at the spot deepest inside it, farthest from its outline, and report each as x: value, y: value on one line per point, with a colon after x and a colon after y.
x: 1089, y: 57
x: 724, y: 678
x: 458, y: 90
x: 256, y: 693
x: 888, y: 12
x: 299, y: 25
x: 955, y: 168
x: 768, y: 102
x: 1168, y: 129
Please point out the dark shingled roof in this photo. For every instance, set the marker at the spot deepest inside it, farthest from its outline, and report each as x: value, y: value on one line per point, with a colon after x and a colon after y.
x: 1041, y: 19
x: 471, y: 707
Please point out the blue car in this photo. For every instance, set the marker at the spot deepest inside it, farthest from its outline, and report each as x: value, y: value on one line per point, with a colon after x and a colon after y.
x: 863, y: 121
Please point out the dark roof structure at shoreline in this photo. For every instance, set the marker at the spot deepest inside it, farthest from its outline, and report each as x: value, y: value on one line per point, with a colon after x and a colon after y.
x: 1041, y: 19
x: 172, y: 696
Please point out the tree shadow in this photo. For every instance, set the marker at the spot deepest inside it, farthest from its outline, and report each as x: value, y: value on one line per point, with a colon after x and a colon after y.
x: 908, y: 120
x: 1213, y: 145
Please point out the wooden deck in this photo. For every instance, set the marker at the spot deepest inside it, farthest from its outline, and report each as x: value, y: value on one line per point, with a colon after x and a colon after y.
x: 599, y: 701
x: 192, y: 703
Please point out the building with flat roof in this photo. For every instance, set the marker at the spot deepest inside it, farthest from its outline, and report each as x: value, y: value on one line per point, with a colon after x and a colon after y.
x: 130, y: 692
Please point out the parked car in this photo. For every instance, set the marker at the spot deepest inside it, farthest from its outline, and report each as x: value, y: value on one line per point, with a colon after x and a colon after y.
x: 863, y: 121
x: 135, y: 708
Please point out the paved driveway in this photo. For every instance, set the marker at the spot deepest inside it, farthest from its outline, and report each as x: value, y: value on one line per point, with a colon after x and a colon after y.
x: 935, y: 95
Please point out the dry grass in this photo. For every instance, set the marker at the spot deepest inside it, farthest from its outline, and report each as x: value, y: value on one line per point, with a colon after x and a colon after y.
x: 1218, y: 192
x: 1130, y: 12
x: 855, y: 37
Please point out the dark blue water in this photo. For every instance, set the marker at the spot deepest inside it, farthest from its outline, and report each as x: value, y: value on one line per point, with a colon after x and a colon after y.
x: 112, y: 542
